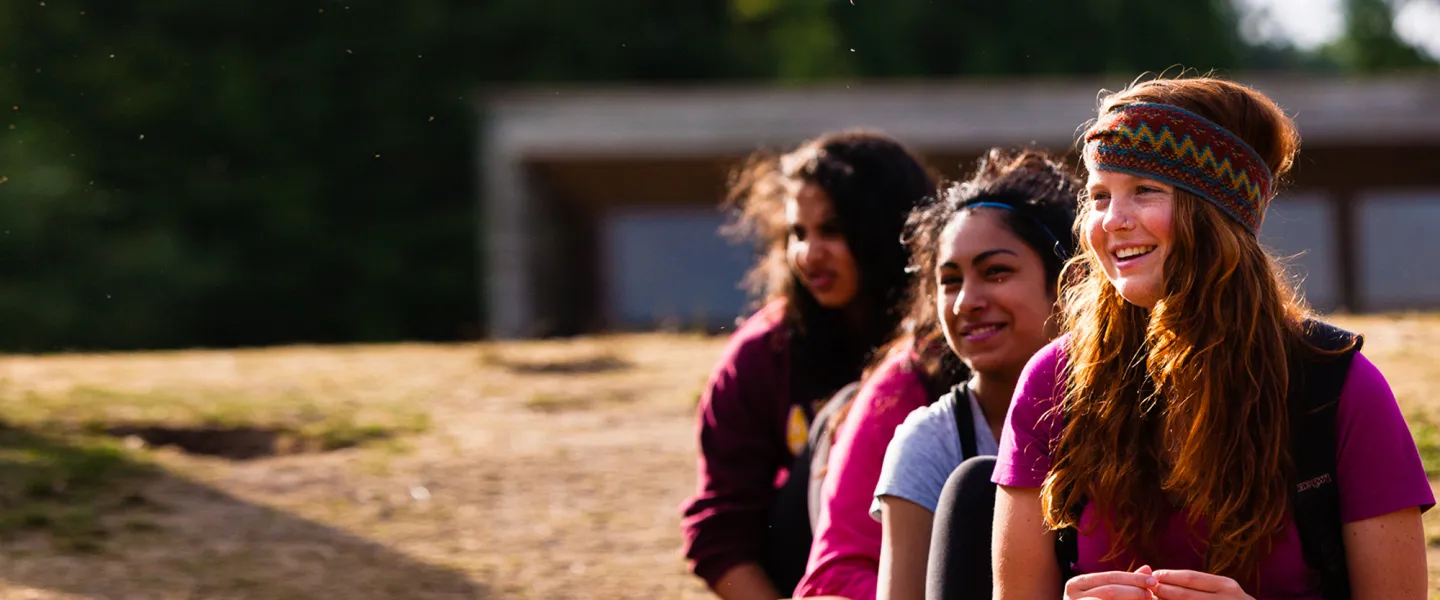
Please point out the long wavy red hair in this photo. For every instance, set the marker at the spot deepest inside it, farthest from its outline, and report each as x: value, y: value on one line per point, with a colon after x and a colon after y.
x: 1185, y: 404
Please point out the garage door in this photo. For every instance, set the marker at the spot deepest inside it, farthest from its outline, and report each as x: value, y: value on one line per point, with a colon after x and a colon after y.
x: 671, y: 268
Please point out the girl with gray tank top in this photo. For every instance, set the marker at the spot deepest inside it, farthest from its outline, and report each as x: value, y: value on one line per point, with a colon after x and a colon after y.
x: 987, y: 255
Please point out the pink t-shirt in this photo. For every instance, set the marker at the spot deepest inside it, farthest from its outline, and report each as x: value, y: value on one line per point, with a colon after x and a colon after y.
x: 1377, y: 465
x: 845, y: 556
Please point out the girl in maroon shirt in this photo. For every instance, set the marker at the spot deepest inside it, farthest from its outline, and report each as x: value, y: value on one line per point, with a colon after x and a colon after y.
x: 828, y: 218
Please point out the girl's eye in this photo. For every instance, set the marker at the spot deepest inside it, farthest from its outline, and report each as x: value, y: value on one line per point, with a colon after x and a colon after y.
x: 997, y: 271
x: 798, y: 233
x: 950, y: 281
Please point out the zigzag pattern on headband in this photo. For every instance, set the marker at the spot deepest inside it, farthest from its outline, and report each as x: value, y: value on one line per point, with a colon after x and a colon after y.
x: 1179, y: 147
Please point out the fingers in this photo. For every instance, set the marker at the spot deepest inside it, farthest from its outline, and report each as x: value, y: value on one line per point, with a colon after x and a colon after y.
x: 1113, y: 592
x: 1145, y: 584
x: 1166, y: 591
x: 1111, y: 585
x: 1198, y: 581
x: 1095, y: 580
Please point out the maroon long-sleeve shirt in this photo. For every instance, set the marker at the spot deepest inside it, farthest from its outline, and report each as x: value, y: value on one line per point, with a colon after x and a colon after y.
x: 742, y: 427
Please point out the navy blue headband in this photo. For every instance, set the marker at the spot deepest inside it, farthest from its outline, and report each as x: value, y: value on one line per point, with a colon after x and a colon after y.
x: 1059, y: 248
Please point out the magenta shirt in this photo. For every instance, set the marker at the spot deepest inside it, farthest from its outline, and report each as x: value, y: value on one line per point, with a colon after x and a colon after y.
x: 1377, y: 465
x: 845, y: 556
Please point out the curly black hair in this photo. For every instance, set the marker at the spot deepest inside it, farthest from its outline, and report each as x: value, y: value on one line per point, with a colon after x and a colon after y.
x: 874, y: 182
x: 1039, y: 195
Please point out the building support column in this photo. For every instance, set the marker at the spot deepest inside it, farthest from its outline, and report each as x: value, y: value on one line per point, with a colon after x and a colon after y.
x: 1347, y: 247
x: 507, y: 226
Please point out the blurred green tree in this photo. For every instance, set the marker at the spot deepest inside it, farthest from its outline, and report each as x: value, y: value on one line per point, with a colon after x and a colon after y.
x: 926, y: 39
x: 1369, y: 43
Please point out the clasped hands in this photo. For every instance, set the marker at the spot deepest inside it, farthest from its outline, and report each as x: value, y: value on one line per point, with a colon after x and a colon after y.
x: 1146, y: 584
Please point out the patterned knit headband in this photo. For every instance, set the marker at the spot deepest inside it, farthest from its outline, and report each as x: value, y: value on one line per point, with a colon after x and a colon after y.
x: 1179, y: 147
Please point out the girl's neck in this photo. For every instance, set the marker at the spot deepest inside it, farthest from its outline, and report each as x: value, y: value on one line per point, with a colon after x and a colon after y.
x: 993, y: 392
x: 857, y: 318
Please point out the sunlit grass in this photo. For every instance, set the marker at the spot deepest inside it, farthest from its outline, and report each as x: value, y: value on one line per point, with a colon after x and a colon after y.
x: 310, y: 421
x: 64, y: 487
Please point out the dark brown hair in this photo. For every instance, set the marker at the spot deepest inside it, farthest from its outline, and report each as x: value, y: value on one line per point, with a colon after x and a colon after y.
x: 873, y: 181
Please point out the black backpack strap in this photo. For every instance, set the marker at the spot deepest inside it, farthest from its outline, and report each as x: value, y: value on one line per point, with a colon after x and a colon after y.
x: 1314, y: 398
x: 1067, y: 549
x: 1067, y: 539
x: 964, y: 421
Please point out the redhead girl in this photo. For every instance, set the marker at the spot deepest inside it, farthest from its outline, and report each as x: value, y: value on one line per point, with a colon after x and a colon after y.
x: 1169, y: 432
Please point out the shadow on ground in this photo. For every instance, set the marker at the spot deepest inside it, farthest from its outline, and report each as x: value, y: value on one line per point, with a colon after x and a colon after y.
x: 80, y: 516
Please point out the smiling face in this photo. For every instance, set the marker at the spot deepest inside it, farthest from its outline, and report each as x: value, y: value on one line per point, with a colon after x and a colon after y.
x: 1127, y: 228
x: 817, y: 248
x: 994, y: 299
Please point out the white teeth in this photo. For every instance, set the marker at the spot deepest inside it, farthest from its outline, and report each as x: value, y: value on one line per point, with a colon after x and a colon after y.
x: 983, y: 330
x: 1134, y: 251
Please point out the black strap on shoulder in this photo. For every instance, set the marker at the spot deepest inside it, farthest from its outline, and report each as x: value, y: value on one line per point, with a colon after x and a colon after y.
x: 1067, y: 539
x: 1067, y: 548
x: 1314, y: 398
x: 964, y: 420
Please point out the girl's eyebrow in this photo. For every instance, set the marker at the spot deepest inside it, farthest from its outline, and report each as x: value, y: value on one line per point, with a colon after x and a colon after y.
x: 979, y: 258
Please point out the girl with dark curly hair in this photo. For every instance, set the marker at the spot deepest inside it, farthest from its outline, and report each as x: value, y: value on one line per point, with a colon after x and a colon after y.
x: 829, y: 217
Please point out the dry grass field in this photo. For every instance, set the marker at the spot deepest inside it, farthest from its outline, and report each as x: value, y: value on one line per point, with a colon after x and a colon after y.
x: 493, y: 470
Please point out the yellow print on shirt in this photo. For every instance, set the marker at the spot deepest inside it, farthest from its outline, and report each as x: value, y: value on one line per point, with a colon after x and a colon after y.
x: 797, y: 430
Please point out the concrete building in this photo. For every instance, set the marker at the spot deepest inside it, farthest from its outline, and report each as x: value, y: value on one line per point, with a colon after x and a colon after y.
x: 598, y: 206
